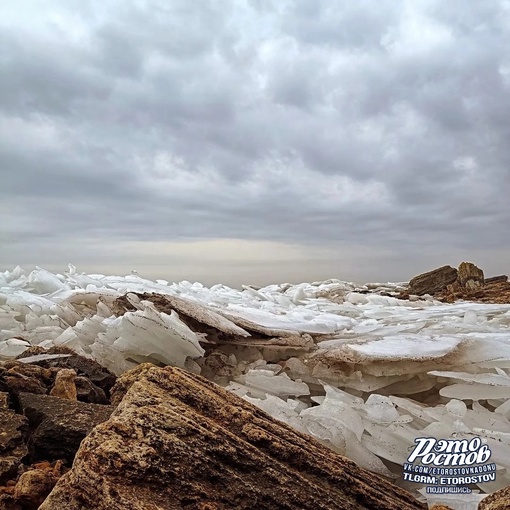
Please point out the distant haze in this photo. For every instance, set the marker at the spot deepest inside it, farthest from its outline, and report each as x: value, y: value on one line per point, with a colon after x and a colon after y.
x: 255, y: 141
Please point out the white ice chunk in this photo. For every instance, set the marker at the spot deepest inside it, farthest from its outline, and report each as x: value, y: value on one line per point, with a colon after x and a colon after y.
x: 414, y: 347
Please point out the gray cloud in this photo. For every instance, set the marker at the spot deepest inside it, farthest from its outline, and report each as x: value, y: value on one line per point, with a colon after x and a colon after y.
x: 338, y: 127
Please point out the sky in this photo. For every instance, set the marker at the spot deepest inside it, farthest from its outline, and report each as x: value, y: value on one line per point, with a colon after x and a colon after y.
x: 255, y: 141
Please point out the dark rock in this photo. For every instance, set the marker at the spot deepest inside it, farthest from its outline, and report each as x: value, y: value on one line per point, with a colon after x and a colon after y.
x: 13, y: 431
x: 470, y: 276
x: 7, y: 502
x: 179, y: 441
x: 59, y: 425
x: 87, y: 391
x: 432, y: 281
x: 497, y: 279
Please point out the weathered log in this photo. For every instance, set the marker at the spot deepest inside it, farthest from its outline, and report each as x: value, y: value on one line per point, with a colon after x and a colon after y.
x: 432, y: 281
x: 177, y: 440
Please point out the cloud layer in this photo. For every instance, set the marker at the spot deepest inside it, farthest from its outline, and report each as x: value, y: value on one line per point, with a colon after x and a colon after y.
x: 374, y: 132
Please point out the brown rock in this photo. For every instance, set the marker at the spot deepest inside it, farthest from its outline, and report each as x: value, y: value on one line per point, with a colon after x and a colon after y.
x: 64, y: 386
x: 7, y: 502
x: 499, y: 500
x: 33, y: 487
x: 433, y: 281
x: 89, y: 368
x: 126, y: 380
x: 470, y: 276
x: 4, y: 400
x: 59, y: 424
x: 179, y: 441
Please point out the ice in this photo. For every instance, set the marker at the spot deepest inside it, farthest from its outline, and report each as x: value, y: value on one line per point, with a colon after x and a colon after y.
x: 475, y: 391
x: 44, y: 282
x: 270, y: 383
x: 13, y: 347
x: 42, y: 357
x: 415, y: 347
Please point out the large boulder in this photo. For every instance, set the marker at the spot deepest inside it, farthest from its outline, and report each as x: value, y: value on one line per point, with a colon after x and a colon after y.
x: 432, y: 281
x: 177, y: 441
x: 470, y: 276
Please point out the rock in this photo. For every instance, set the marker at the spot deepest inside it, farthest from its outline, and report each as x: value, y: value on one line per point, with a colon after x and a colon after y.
x: 64, y: 386
x: 13, y: 430
x: 7, y: 502
x: 433, y: 281
x: 497, y: 279
x: 4, y: 400
x: 87, y: 391
x: 213, y: 450
x: 14, y: 379
x: 499, y: 500
x: 470, y: 276
x: 60, y: 425
x: 33, y: 487
x: 126, y: 380
x: 89, y: 368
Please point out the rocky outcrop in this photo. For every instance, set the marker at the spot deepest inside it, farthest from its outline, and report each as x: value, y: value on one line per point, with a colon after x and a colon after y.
x: 213, y: 450
x: 59, y: 425
x: 448, y: 284
x: 432, y: 281
x: 499, y: 500
x: 470, y: 276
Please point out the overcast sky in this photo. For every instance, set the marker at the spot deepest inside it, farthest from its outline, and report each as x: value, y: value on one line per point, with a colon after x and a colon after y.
x: 255, y: 141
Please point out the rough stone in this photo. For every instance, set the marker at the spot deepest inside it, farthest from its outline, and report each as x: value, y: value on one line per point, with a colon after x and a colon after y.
x: 59, y: 424
x: 4, y: 400
x: 213, y: 450
x: 432, y: 281
x: 33, y: 487
x: 87, y: 391
x: 126, y: 380
x: 470, y: 276
x: 89, y: 368
x: 13, y: 430
x: 65, y: 386
x: 499, y: 500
